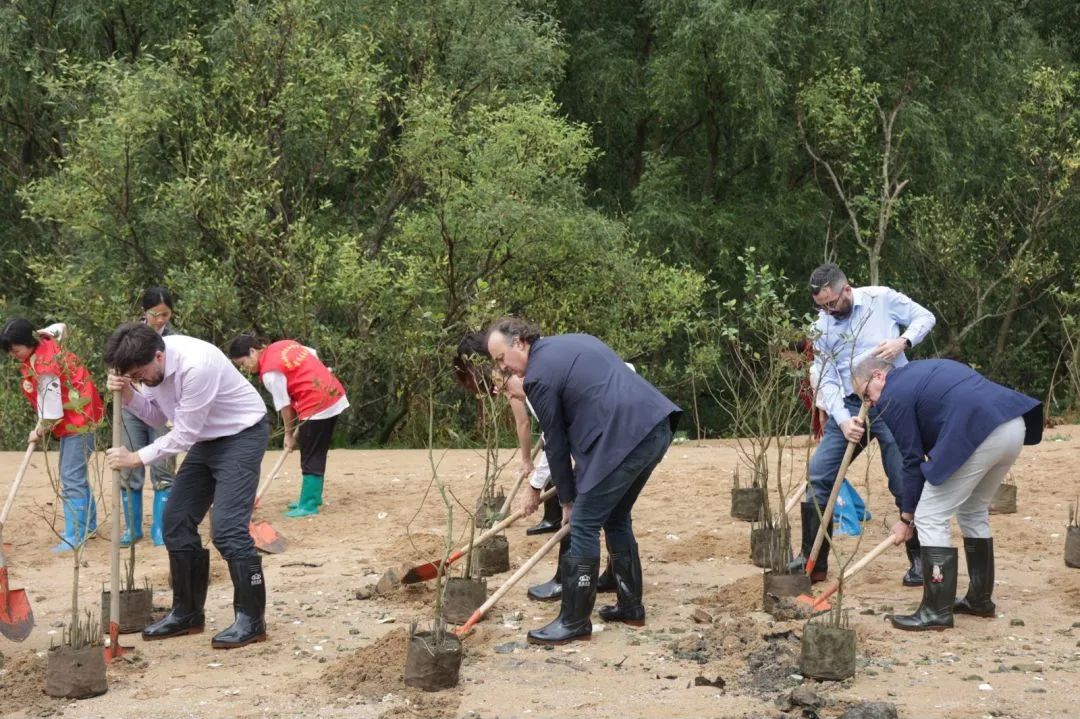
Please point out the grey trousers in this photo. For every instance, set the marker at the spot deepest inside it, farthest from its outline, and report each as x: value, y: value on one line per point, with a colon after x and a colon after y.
x: 224, y: 473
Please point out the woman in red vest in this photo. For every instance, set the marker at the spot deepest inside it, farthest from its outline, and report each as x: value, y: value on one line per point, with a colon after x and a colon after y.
x: 304, y: 390
x: 68, y: 407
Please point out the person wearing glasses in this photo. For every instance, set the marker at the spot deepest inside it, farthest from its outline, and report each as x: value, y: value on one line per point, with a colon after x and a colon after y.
x: 306, y: 393
x: 157, y: 304
x: 605, y: 431
x: 219, y: 419
x: 854, y: 323
x: 68, y: 407
x: 959, y: 435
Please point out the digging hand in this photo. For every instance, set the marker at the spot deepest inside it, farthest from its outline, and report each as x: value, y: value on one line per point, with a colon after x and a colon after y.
x: 530, y: 500
x: 853, y: 429
x: 902, y: 532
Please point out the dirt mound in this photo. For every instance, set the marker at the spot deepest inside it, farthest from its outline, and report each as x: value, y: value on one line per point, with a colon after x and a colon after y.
x: 378, y: 669
x: 740, y: 597
x: 697, y: 548
x: 418, y: 546
x: 22, y: 684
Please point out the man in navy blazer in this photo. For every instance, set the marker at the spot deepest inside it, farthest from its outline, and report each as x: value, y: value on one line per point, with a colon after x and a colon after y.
x: 959, y: 434
x: 616, y: 427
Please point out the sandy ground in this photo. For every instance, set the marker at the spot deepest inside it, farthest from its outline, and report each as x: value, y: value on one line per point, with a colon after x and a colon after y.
x: 330, y: 654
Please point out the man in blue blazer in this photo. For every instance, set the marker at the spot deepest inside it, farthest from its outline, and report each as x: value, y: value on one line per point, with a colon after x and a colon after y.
x: 616, y: 427
x: 959, y: 434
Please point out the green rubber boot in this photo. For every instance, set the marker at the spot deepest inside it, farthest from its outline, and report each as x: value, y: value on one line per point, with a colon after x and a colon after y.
x: 310, y: 497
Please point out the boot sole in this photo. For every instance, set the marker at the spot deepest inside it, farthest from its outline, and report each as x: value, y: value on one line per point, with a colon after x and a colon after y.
x: 545, y: 600
x: 920, y: 629
x: 984, y: 615
x: 181, y: 633
x: 560, y: 642
x: 237, y: 645
x: 911, y: 584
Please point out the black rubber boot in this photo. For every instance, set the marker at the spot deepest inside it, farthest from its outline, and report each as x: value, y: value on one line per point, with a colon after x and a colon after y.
x: 189, y: 574
x: 578, y: 596
x: 939, y: 592
x: 551, y: 590
x: 552, y: 518
x: 606, y: 583
x: 626, y: 568
x: 980, y: 562
x: 249, y: 605
x: 811, y: 520
x: 913, y: 576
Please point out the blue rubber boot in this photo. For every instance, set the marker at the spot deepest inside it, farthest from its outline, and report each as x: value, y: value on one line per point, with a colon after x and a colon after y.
x: 132, y: 502
x: 310, y: 497
x: 157, y: 528
x: 75, y: 516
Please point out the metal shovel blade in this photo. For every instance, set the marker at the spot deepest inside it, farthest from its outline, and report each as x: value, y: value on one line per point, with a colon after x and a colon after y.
x: 16, y: 617
x: 267, y: 539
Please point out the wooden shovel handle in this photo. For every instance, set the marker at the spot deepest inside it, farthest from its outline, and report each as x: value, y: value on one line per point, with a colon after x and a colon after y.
x: 273, y: 474
x: 114, y: 553
x: 27, y: 456
x: 793, y: 500
x: 514, y: 578
x: 826, y: 515
x: 851, y: 571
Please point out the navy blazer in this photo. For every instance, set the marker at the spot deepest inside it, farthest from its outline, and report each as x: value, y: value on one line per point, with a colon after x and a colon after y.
x: 940, y: 411
x: 591, y: 407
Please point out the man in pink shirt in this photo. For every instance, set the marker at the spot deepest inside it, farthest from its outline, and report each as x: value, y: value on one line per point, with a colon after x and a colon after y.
x: 219, y: 419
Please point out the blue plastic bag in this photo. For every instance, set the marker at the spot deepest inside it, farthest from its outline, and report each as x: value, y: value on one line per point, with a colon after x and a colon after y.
x: 850, y: 511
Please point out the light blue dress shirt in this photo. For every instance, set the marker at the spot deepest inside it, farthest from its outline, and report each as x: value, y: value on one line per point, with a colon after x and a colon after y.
x: 877, y: 314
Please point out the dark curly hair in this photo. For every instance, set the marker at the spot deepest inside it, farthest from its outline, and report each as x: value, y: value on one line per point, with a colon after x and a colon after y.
x: 514, y: 328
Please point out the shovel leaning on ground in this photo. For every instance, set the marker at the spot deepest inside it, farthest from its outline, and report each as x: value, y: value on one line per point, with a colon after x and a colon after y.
x: 514, y: 578
x: 430, y: 570
x: 267, y: 539
x: 114, y: 649
x: 16, y: 616
x: 826, y: 515
x: 821, y: 602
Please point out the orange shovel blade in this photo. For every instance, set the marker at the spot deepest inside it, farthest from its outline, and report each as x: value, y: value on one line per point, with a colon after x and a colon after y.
x: 427, y: 572
x: 267, y: 539
x: 16, y: 617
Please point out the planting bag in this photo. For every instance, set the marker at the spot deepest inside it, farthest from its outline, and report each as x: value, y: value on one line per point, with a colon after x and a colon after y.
x: 850, y: 511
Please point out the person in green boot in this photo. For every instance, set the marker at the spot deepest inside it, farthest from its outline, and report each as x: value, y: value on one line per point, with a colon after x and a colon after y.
x: 308, y: 396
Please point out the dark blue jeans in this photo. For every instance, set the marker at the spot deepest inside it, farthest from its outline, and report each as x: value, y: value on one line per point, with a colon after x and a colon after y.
x: 829, y: 455
x: 608, y: 504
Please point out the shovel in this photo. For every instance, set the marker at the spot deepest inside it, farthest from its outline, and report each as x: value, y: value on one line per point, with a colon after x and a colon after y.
x: 426, y: 572
x: 827, y: 514
x: 114, y: 649
x: 821, y: 603
x: 521, y: 572
x: 16, y: 617
x: 267, y: 539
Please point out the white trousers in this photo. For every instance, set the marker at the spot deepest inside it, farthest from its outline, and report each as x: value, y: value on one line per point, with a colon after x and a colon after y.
x: 968, y: 491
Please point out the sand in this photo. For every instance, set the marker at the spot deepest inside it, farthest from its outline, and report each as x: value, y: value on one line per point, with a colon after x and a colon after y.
x: 331, y: 654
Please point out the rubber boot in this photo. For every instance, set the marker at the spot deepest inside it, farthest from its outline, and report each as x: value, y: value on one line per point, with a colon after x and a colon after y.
x: 939, y: 592
x: 980, y: 562
x: 626, y: 568
x: 811, y: 521
x: 189, y: 573
x: 249, y: 605
x: 913, y: 576
x: 552, y: 518
x: 132, y: 503
x: 310, y: 497
x: 579, y: 576
x: 294, y: 505
x: 75, y: 524
x: 157, y: 526
x: 606, y: 583
x: 551, y: 590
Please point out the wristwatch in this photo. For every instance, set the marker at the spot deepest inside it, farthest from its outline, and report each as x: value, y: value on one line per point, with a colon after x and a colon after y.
x: 907, y: 342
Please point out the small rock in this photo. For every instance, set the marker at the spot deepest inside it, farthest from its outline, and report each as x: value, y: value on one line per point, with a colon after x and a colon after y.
x: 363, y: 593
x: 805, y: 696
x: 354, y: 631
x: 973, y: 678
x: 985, y: 688
x: 1028, y: 668
x: 871, y: 710
x: 1017, y: 623
x: 702, y: 616
x: 1035, y: 690
x: 508, y: 647
x: 385, y: 619
x: 700, y: 681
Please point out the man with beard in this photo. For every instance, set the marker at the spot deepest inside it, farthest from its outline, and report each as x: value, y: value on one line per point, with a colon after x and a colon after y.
x: 855, y: 323
x: 219, y: 419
